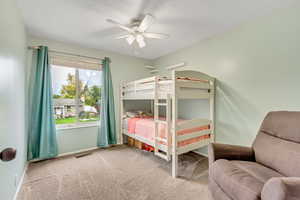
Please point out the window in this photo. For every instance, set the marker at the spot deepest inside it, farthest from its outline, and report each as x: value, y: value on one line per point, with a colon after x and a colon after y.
x: 76, y: 96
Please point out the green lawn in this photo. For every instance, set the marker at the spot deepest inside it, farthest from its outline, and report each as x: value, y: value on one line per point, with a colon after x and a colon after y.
x: 71, y: 120
x: 66, y: 120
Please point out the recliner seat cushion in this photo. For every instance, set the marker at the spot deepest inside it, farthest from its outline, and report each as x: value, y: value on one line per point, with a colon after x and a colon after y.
x: 241, y: 180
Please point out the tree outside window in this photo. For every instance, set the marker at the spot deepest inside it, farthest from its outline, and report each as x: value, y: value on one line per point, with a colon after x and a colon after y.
x: 76, y: 96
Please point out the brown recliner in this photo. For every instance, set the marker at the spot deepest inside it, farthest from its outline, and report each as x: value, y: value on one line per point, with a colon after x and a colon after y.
x: 269, y: 170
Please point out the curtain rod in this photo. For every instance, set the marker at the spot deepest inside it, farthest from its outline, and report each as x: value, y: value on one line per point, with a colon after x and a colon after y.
x: 66, y: 53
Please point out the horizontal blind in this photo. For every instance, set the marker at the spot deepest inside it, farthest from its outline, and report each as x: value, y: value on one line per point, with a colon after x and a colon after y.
x: 75, y: 61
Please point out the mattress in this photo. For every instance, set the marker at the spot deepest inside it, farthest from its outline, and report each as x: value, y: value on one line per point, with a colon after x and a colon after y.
x: 145, y: 127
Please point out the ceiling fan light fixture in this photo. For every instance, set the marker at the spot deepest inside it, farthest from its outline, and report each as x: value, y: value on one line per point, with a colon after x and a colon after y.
x: 142, y: 44
x: 130, y: 39
x: 140, y: 40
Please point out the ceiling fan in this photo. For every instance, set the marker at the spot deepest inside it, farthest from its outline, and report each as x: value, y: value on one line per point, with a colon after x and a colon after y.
x: 137, y: 31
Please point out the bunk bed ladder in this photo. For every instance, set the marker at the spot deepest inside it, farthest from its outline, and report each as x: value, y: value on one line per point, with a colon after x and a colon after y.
x: 157, y: 121
x: 212, y: 109
x: 168, y: 126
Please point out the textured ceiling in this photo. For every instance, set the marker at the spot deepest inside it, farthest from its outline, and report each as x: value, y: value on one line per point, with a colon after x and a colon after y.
x: 83, y: 22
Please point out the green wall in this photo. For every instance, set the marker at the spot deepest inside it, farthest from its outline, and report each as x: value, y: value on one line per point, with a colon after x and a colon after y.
x: 76, y: 139
x: 12, y: 96
x: 257, y: 66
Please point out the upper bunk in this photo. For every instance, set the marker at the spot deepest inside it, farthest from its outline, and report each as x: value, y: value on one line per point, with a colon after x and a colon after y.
x: 184, y: 84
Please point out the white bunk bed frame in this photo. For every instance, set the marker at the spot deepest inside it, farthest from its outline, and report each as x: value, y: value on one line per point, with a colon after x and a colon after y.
x: 180, y: 89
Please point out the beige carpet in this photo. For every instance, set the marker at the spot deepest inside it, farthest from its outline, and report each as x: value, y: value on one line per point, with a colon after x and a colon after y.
x: 118, y: 173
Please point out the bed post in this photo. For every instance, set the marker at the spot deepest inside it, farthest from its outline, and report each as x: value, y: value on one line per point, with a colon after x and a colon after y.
x: 169, y: 125
x: 156, y: 115
x: 174, y: 132
x: 212, y: 109
x: 121, y: 114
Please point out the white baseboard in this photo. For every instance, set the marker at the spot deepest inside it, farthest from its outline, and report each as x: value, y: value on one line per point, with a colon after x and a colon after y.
x: 76, y: 152
x: 21, y: 182
x: 67, y: 154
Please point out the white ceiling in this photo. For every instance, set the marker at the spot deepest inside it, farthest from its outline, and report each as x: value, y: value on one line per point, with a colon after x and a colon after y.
x: 83, y: 22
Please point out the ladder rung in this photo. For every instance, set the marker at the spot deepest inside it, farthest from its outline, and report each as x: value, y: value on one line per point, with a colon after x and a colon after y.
x: 161, y: 139
x: 161, y: 121
x: 161, y: 104
x: 163, y: 156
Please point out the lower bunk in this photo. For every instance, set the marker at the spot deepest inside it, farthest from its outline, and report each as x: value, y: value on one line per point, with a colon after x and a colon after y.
x: 190, y: 134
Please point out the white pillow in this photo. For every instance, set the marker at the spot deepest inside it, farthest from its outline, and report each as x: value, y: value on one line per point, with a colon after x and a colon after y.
x: 132, y: 114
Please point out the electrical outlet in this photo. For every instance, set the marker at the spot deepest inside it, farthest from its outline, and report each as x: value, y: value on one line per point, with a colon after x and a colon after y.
x: 16, y: 180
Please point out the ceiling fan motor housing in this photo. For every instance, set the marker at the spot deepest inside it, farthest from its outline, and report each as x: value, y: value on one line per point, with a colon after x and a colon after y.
x: 135, y: 24
x: 137, y: 30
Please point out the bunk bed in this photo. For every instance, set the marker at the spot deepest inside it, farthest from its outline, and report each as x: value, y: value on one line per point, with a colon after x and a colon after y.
x: 169, y: 135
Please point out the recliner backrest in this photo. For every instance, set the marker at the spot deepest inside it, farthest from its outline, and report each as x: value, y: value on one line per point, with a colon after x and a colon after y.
x: 277, y: 144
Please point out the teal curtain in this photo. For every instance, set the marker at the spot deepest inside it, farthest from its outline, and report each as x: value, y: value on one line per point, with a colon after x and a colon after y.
x: 107, y: 130
x: 42, y: 142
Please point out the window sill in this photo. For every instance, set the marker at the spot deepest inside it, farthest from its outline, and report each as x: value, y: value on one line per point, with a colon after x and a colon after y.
x: 76, y: 126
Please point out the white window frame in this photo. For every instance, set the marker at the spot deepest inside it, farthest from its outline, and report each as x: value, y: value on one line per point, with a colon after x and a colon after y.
x: 63, y: 62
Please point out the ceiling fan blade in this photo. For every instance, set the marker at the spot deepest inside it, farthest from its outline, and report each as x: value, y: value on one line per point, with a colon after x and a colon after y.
x: 156, y: 35
x: 141, y: 41
x: 130, y: 39
x: 120, y: 25
x: 147, y: 21
x: 123, y: 36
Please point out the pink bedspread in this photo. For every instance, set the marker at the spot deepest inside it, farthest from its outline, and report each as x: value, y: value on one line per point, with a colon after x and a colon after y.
x: 145, y: 128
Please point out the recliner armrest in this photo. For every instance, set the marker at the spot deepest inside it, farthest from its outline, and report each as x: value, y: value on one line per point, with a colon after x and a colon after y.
x: 230, y: 152
x: 281, y: 188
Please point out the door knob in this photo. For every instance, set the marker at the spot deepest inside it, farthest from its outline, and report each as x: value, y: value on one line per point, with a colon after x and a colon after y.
x: 8, y: 154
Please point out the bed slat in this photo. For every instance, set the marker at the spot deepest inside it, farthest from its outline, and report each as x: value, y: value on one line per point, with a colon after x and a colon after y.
x: 193, y: 84
x: 163, y: 156
x: 161, y: 147
x: 193, y: 146
x: 192, y: 123
x: 193, y: 135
